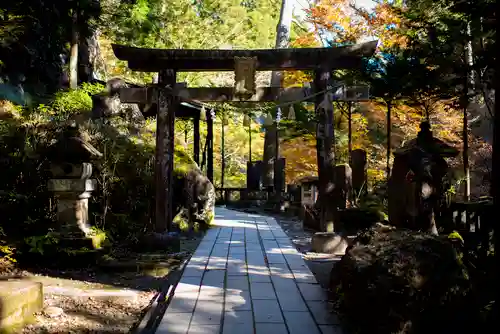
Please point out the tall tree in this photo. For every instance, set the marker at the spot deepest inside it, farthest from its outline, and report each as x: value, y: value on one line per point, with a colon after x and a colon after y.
x: 191, y: 25
x: 271, y: 139
x: 40, y: 33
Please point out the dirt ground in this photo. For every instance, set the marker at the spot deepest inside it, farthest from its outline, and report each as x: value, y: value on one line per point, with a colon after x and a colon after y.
x: 98, y: 300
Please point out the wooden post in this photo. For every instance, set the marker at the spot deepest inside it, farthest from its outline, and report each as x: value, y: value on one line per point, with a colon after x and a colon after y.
x: 250, y: 141
x: 222, y: 153
x: 165, y: 125
x: 389, y: 134
x: 210, y: 147
x: 325, y: 154
x: 276, y: 166
x: 196, y: 139
x: 495, y: 184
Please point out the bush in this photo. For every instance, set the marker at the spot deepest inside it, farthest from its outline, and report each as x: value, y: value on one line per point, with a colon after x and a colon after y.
x: 122, y: 206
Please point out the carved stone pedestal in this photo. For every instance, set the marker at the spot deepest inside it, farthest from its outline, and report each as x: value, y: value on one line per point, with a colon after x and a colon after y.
x: 72, y: 206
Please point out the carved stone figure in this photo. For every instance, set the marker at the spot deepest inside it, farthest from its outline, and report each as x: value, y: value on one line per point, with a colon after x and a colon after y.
x: 416, y: 183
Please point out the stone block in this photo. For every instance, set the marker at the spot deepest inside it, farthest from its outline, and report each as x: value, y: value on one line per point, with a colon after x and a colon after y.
x: 291, y: 300
x: 267, y: 311
x: 239, y: 283
x: 322, y: 313
x: 238, y: 301
x: 238, y: 328
x: 329, y: 243
x: 75, y: 186
x: 207, y: 312
x: 262, y: 291
x: 270, y: 328
x: 174, y: 323
x: 312, y: 292
x: 19, y: 301
x: 301, y: 322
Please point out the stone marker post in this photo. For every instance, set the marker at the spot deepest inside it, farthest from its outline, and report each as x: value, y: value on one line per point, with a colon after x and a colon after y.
x: 359, y: 173
x: 343, y: 186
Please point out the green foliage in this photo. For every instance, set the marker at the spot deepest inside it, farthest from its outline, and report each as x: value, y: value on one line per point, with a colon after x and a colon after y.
x: 98, y: 237
x: 71, y: 102
x: 35, y: 34
x: 122, y: 207
x: 38, y: 243
x: 190, y: 25
x: 66, y: 103
x: 455, y: 235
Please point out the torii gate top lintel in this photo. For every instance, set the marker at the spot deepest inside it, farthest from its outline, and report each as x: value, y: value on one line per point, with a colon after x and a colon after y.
x: 167, y: 94
x: 155, y: 60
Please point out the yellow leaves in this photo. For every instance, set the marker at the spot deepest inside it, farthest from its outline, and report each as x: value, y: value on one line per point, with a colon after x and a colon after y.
x: 300, y: 155
x: 296, y: 79
x: 348, y: 24
x: 340, y: 19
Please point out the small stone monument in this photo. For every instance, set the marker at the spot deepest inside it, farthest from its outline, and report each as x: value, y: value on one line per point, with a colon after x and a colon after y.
x: 343, y: 185
x: 72, y: 185
x: 359, y: 173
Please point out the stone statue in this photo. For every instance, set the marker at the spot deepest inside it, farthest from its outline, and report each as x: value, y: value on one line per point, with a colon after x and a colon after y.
x: 416, y: 183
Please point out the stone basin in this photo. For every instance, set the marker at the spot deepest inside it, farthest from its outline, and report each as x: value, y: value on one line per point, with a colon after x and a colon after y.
x: 330, y: 243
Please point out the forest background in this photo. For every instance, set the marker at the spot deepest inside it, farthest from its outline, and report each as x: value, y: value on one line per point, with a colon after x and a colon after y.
x: 428, y: 54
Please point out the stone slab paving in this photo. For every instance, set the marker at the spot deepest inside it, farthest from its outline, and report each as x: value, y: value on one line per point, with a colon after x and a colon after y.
x: 246, y: 277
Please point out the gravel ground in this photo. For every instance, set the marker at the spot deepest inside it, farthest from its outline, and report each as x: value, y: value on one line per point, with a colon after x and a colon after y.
x: 96, y: 300
x: 74, y: 314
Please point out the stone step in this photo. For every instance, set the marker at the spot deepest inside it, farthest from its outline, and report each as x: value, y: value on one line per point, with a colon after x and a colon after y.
x: 76, y: 292
x: 19, y: 300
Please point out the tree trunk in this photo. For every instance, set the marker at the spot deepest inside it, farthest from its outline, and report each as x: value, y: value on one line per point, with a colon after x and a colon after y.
x: 73, y: 62
x: 282, y: 38
x: 210, y: 147
x: 468, y: 88
x: 349, y: 130
x: 465, y: 155
x: 495, y: 184
x: 325, y: 154
x: 389, y: 134
x: 88, y: 53
x: 222, y: 156
x: 196, y: 139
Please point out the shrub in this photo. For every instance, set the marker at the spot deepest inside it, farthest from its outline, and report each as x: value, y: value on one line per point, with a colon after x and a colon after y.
x: 122, y: 206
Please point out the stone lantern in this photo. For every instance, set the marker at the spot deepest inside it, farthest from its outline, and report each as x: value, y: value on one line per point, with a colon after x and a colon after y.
x: 70, y: 163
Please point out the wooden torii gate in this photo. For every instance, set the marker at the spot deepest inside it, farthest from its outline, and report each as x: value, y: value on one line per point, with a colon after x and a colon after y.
x: 168, y: 94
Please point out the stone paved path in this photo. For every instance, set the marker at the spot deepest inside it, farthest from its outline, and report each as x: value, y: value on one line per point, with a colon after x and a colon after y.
x: 246, y: 277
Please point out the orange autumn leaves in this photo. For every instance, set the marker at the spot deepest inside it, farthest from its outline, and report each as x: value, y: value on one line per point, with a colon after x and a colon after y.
x: 300, y: 155
x: 343, y: 22
x: 339, y: 19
